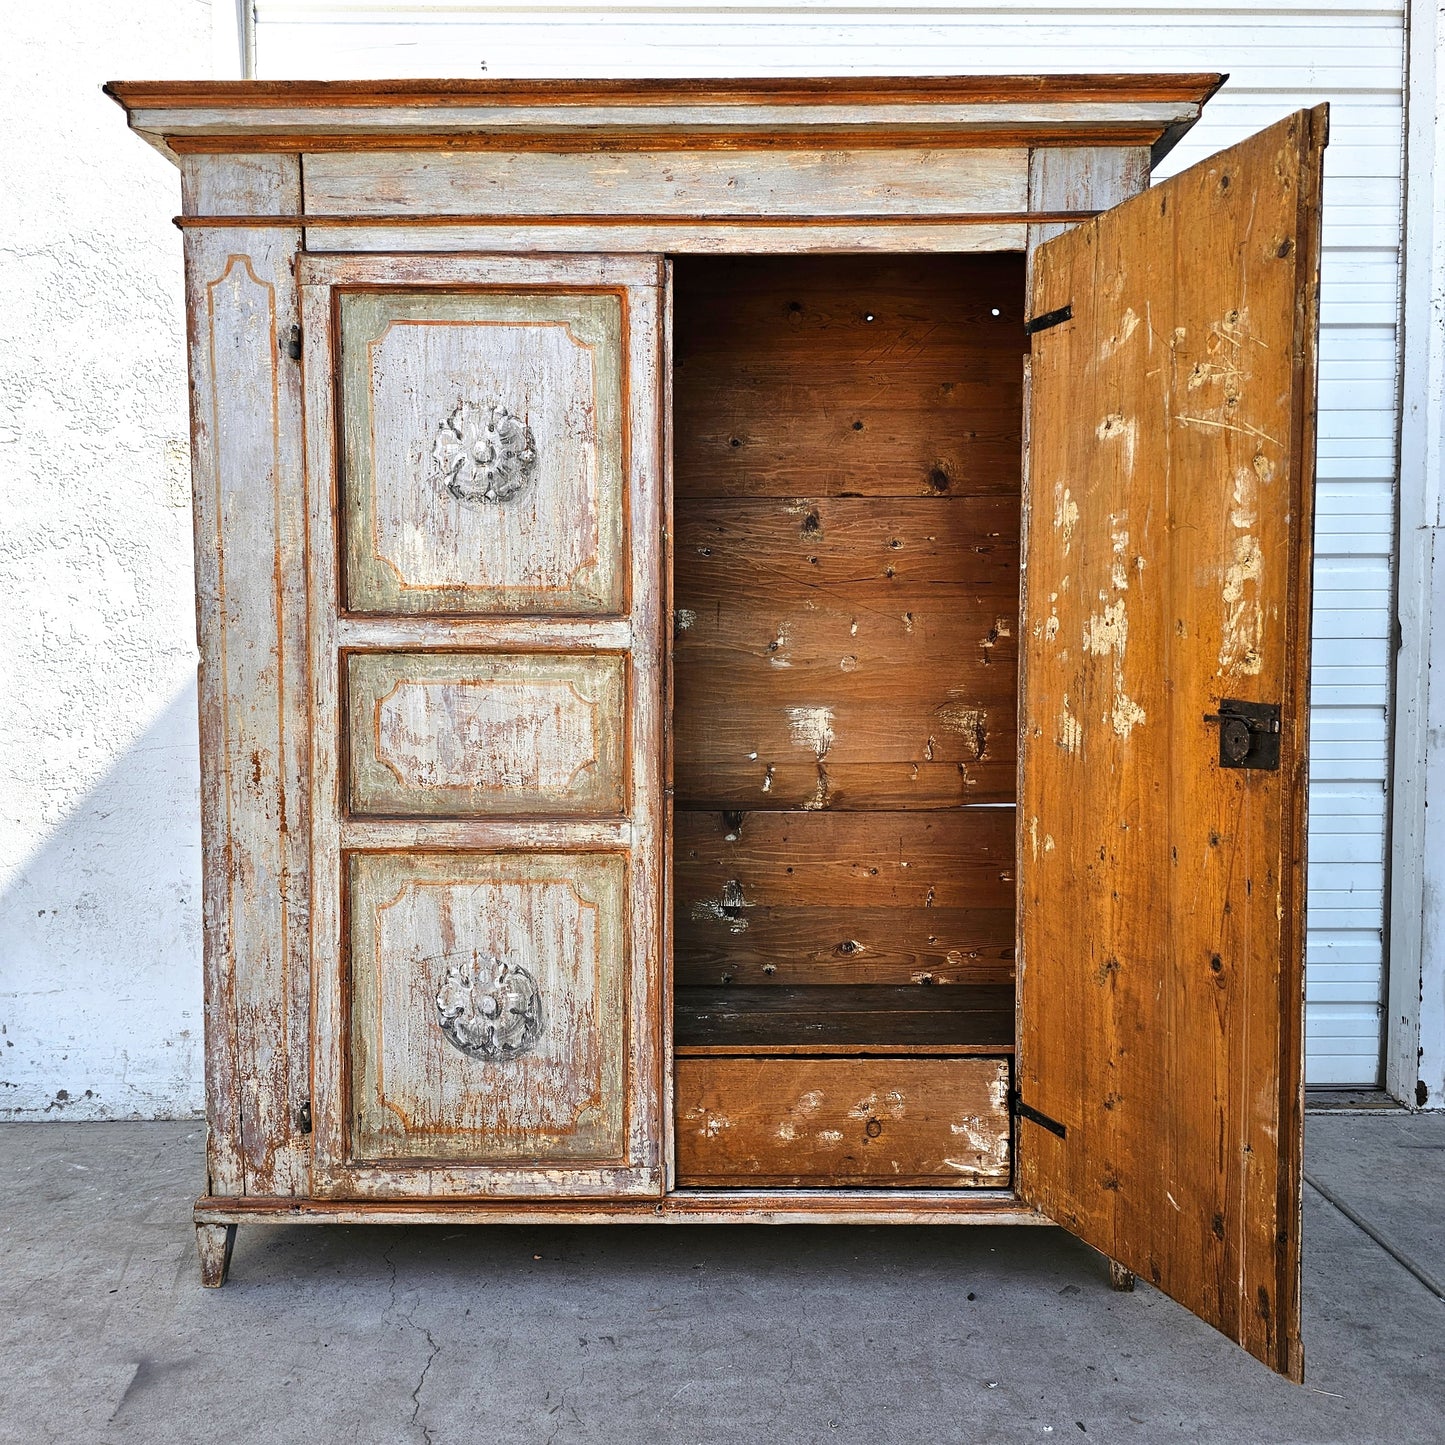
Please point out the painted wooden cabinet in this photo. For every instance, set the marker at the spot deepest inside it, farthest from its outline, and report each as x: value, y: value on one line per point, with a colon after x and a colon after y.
x: 754, y: 658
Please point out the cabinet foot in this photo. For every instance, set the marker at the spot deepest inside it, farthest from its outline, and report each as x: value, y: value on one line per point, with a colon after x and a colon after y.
x: 1120, y: 1278
x: 214, y: 1243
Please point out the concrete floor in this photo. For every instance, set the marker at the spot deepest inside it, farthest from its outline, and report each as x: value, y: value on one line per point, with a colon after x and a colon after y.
x: 688, y: 1334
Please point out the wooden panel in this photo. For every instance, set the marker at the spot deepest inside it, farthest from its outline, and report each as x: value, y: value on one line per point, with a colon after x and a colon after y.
x: 455, y: 1155
x: 845, y: 1021
x: 457, y: 733
x: 530, y: 183
x: 723, y: 943
x: 676, y: 238
x: 685, y: 1206
x: 788, y: 1122
x: 487, y: 1016
x: 847, y: 375
x: 783, y: 604
x: 793, y: 898
x: 485, y: 451
x: 1167, y: 545
x: 250, y: 603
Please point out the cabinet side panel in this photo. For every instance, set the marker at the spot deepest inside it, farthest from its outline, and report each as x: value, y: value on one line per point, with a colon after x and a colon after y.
x: 250, y: 582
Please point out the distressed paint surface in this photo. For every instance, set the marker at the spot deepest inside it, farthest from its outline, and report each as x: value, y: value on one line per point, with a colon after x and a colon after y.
x: 783, y: 1122
x: 418, y: 368
x: 452, y: 734
x: 1165, y: 926
x: 422, y: 912
x: 559, y: 917
x: 250, y: 608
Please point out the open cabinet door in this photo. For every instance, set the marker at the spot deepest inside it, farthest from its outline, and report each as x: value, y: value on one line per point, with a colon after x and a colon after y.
x: 1167, y: 545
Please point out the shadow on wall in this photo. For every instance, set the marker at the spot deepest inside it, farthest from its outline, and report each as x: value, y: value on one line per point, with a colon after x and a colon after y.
x: 100, y: 945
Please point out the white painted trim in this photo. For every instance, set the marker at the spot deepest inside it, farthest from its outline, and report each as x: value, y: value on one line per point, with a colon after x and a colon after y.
x: 1415, y: 1016
x: 233, y: 39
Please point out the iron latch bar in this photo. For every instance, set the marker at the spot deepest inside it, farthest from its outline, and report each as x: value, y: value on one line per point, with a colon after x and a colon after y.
x: 1024, y: 1111
x: 1049, y: 318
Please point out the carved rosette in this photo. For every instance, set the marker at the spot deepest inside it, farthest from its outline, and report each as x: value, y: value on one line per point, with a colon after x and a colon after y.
x: 490, y: 1009
x: 485, y: 452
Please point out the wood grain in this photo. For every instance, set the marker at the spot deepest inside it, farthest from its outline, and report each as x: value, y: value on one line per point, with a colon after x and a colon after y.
x: 528, y: 184
x: 789, y: 1122
x: 733, y: 943
x: 829, y: 1018
x: 785, y: 387
x: 1167, y: 565
x: 246, y: 458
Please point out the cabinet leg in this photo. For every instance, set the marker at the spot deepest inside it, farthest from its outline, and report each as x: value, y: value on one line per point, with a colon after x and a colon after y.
x: 214, y: 1243
x: 1120, y: 1278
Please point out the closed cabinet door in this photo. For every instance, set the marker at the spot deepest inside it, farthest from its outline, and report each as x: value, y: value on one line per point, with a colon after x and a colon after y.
x: 485, y: 517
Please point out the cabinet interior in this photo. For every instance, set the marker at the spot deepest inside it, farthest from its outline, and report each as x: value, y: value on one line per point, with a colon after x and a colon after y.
x: 847, y: 444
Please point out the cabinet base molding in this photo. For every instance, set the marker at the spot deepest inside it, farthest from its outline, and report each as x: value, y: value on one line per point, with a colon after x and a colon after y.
x: 710, y: 1206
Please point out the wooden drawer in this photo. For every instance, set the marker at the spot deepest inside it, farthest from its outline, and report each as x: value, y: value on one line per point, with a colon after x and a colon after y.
x: 807, y: 1121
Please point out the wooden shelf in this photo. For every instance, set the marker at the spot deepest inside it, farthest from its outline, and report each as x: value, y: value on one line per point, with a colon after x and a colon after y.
x: 862, y: 1021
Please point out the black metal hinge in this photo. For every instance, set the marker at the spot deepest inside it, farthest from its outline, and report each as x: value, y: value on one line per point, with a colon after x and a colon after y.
x: 1248, y: 734
x: 292, y: 345
x: 1049, y: 318
x: 1021, y: 1110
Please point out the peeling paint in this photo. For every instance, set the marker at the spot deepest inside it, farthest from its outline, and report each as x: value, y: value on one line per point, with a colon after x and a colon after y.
x: 1066, y: 515
x: 1071, y: 730
x: 811, y: 728
x: 1128, y: 325
x: 1243, y: 617
x: 684, y: 618
x: 1127, y: 714
x: 849, y: 663
x: 1116, y: 425
x: 1108, y: 631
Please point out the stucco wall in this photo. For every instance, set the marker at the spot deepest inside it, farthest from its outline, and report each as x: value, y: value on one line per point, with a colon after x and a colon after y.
x: 100, y: 1005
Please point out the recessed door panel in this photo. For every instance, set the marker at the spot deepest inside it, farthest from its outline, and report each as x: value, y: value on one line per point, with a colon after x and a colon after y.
x: 484, y: 451
x: 486, y: 1018
x: 446, y: 734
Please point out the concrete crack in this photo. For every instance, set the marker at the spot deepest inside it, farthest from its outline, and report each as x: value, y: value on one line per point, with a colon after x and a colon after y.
x: 408, y: 1318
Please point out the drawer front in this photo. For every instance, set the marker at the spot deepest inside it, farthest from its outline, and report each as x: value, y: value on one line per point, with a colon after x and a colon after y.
x: 789, y: 1122
x: 486, y: 1018
x: 447, y: 734
x: 484, y: 451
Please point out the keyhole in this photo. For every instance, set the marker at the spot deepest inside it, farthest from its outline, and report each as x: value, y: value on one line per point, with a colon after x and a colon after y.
x: 1235, y: 739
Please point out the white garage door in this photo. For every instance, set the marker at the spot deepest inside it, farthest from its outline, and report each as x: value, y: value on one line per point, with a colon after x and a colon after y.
x: 1280, y: 56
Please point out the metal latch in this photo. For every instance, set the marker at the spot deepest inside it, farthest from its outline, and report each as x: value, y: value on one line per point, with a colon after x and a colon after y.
x: 1248, y: 734
x: 1020, y: 1110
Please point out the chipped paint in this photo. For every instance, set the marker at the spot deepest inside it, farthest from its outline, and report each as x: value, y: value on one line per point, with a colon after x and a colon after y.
x: 849, y: 663
x: 726, y: 910
x: 777, y: 648
x: 968, y: 721
x: 1107, y: 632
x: 684, y: 618
x: 1128, y: 325
x: 1051, y: 627
x: 1034, y: 835
x: 768, y: 779
x: 1116, y: 425
x: 1127, y: 714
x: 1245, y: 498
x: 1071, y: 730
x: 1243, y: 616
x: 811, y: 728
x: 830, y: 1136
x: 1066, y: 515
